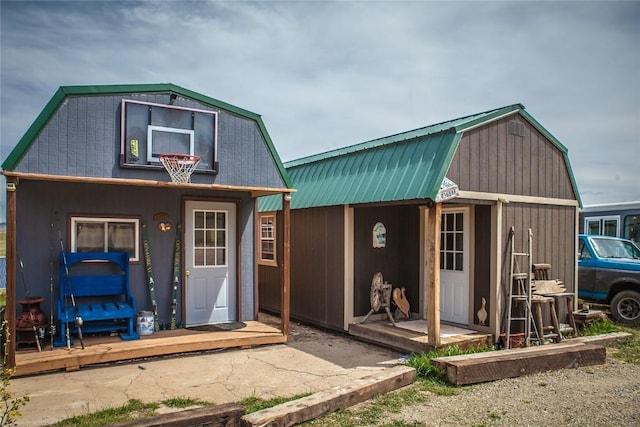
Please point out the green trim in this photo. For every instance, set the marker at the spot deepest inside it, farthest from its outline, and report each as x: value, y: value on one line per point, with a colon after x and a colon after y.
x: 63, y: 92
x: 25, y: 142
x: 444, y: 165
x: 489, y: 116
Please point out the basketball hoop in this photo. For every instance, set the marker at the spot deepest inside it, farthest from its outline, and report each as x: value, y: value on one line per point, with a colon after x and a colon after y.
x: 179, y: 166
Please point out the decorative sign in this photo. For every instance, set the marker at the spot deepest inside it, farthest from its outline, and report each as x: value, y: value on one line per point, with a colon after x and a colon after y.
x: 379, y: 235
x: 448, y: 190
x: 163, y: 221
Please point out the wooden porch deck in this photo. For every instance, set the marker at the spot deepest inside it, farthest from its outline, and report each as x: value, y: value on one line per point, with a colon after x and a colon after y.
x: 410, y: 341
x: 105, y: 349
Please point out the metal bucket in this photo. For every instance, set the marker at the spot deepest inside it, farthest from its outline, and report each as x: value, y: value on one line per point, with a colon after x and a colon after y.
x: 145, y: 324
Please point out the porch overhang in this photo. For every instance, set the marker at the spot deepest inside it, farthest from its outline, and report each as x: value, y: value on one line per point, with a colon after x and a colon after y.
x: 254, y: 190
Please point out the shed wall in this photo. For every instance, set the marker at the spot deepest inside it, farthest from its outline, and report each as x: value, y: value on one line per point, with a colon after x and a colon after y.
x: 83, y: 139
x: 39, y: 243
x: 554, y: 233
x: 482, y: 260
x: 317, y: 268
x: 491, y: 159
x: 398, y: 261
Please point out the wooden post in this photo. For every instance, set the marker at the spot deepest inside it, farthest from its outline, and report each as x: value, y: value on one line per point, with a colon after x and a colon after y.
x: 11, y: 245
x: 433, y: 275
x: 286, y: 261
x: 257, y: 241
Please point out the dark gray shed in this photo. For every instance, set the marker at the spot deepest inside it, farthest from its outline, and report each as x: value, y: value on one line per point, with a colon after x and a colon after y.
x: 87, y: 176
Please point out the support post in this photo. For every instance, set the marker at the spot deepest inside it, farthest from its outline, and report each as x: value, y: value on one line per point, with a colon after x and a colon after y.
x: 11, y: 246
x: 286, y: 261
x: 433, y: 275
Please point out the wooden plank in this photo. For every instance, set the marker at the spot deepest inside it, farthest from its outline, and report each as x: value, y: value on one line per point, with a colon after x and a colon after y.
x: 226, y: 415
x: 396, y: 338
x: 495, y: 365
x: 255, y: 191
x: 433, y: 274
x: 111, y: 349
x: 340, y: 397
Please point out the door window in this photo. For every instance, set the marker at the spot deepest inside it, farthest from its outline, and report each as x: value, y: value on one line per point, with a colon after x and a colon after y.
x: 452, y: 242
x: 209, y: 238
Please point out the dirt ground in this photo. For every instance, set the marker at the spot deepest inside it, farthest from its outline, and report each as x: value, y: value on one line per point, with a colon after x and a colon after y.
x: 601, y: 395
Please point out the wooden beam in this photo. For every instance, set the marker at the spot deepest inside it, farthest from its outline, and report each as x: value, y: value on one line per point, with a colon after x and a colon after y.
x: 433, y: 275
x: 339, y: 397
x: 227, y: 414
x: 255, y: 191
x: 11, y: 251
x: 511, y: 363
x: 286, y: 268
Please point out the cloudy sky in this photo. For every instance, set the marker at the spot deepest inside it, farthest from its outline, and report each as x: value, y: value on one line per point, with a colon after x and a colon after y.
x: 328, y: 74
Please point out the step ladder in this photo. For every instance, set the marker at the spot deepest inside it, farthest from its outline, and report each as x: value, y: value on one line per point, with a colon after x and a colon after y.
x: 520, y: 291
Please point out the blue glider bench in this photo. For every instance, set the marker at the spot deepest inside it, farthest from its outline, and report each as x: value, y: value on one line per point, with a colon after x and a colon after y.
x: 99, y: 284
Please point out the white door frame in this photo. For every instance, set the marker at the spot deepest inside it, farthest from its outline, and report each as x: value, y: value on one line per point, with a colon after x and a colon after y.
x: 210, y: 294
x: 455, y: 285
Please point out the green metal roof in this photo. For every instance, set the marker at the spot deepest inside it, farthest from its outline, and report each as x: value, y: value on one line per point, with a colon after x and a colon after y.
x: 406, y: 166
x: 63, y: 92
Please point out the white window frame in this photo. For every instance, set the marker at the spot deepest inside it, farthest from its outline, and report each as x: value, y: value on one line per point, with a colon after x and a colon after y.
x: 601, y: 221
x: 272, y: 238
x: 133, y: 257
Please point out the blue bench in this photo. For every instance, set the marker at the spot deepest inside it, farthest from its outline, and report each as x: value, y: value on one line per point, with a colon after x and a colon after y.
x: 99, y: 284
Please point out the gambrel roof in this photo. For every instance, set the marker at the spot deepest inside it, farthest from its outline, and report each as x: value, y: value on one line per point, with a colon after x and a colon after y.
x: 64, y: 92
x: 406, y: 166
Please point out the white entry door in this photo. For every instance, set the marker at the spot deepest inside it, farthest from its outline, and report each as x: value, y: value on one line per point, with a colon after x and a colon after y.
x: 210, y: 260
x: 454, y: 266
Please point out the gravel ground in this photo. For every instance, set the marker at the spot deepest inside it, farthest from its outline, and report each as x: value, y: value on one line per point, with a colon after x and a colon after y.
x: 592, y: 396
x: 601, y: 395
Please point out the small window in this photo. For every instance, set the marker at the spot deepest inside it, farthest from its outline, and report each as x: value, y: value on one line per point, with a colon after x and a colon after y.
x: 602, y: 226
x: 268, y: 239
x: 100, y: 234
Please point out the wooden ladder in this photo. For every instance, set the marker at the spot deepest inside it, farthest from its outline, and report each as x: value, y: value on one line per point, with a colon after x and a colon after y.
x: 520, y: 291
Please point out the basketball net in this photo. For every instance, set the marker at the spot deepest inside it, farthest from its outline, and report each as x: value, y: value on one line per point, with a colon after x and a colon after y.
x: 179, y: 166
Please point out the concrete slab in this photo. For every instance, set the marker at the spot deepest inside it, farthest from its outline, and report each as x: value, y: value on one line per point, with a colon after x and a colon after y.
x: 312, y: 361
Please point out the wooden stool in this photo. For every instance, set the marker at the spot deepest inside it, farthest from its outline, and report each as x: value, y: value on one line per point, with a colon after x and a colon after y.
x: 545, y: 332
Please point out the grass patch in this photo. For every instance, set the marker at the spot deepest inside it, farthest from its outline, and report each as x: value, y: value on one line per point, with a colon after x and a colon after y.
x: 132, y: 410
x: 254, y: 404
x: 375, y: 411
x: 426, y: 370
x: 629, y: 350
x: 184, y: 402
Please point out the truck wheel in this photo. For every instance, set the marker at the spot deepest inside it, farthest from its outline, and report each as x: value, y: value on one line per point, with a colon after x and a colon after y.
x: 625, y: 307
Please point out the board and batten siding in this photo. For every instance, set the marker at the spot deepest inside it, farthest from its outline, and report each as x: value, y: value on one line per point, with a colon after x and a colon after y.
x: 83, y: 139
x: 317, y: 268
x: 398, y: 261
x: 41, y: 228
x: 553, y: 241
x: 491, y: 159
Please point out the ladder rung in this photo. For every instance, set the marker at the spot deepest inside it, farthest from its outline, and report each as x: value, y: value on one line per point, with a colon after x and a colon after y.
x: 520, y: 275
x: 520, y: 254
